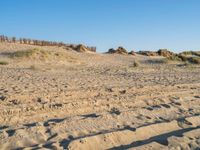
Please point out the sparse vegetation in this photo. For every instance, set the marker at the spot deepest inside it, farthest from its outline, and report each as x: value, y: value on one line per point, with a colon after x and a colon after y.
x: 170, y: 56
x: 183, y: 57
x: 4, y: 63
x: 190, y: 57
x: 191, y: 53
x: 196, y: 54
x: 187, y: 53
x: 33, y: 67
x: 148, y: 53
x: 174, y: 58
x: 195, y: 60
x: 26, y: 53
x: 136, y: 64
x: 187, y: 64
x: 159, y: 61
x: 40, y: 55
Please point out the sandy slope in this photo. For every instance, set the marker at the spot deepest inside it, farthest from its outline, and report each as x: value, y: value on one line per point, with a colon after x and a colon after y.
x: 97, y: 101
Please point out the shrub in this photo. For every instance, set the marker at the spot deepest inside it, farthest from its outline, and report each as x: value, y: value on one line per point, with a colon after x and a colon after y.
x: 183, y: 57
x: 196, y: 53
x: 195, y: 60
x: 29, y: 53
x: 3, y: 63
x: 174, y: 58
x: 187, y: 53
x: 148, y: 53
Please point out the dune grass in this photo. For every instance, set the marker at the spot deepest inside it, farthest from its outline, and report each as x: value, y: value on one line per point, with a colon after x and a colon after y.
x: 187, y: 53
x: 29, y: 53
x: 196, y: 53
x: 136, y: 64
x: 195, y: 60
x: 19, y: 54
x: 33, y: 67
x: 159, y: 61
x: 4, y: 63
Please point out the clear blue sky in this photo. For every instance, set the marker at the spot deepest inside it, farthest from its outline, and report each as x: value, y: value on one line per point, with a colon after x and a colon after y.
x: 134, y: 24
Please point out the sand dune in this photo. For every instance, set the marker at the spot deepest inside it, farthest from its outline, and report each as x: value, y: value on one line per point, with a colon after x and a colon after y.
x: 71, y: 100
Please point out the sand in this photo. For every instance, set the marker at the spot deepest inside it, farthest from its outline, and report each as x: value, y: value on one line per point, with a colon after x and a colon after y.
x: 71, y: 100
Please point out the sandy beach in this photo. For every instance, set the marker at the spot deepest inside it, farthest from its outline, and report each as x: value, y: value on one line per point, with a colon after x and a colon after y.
x: 61, y: 99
